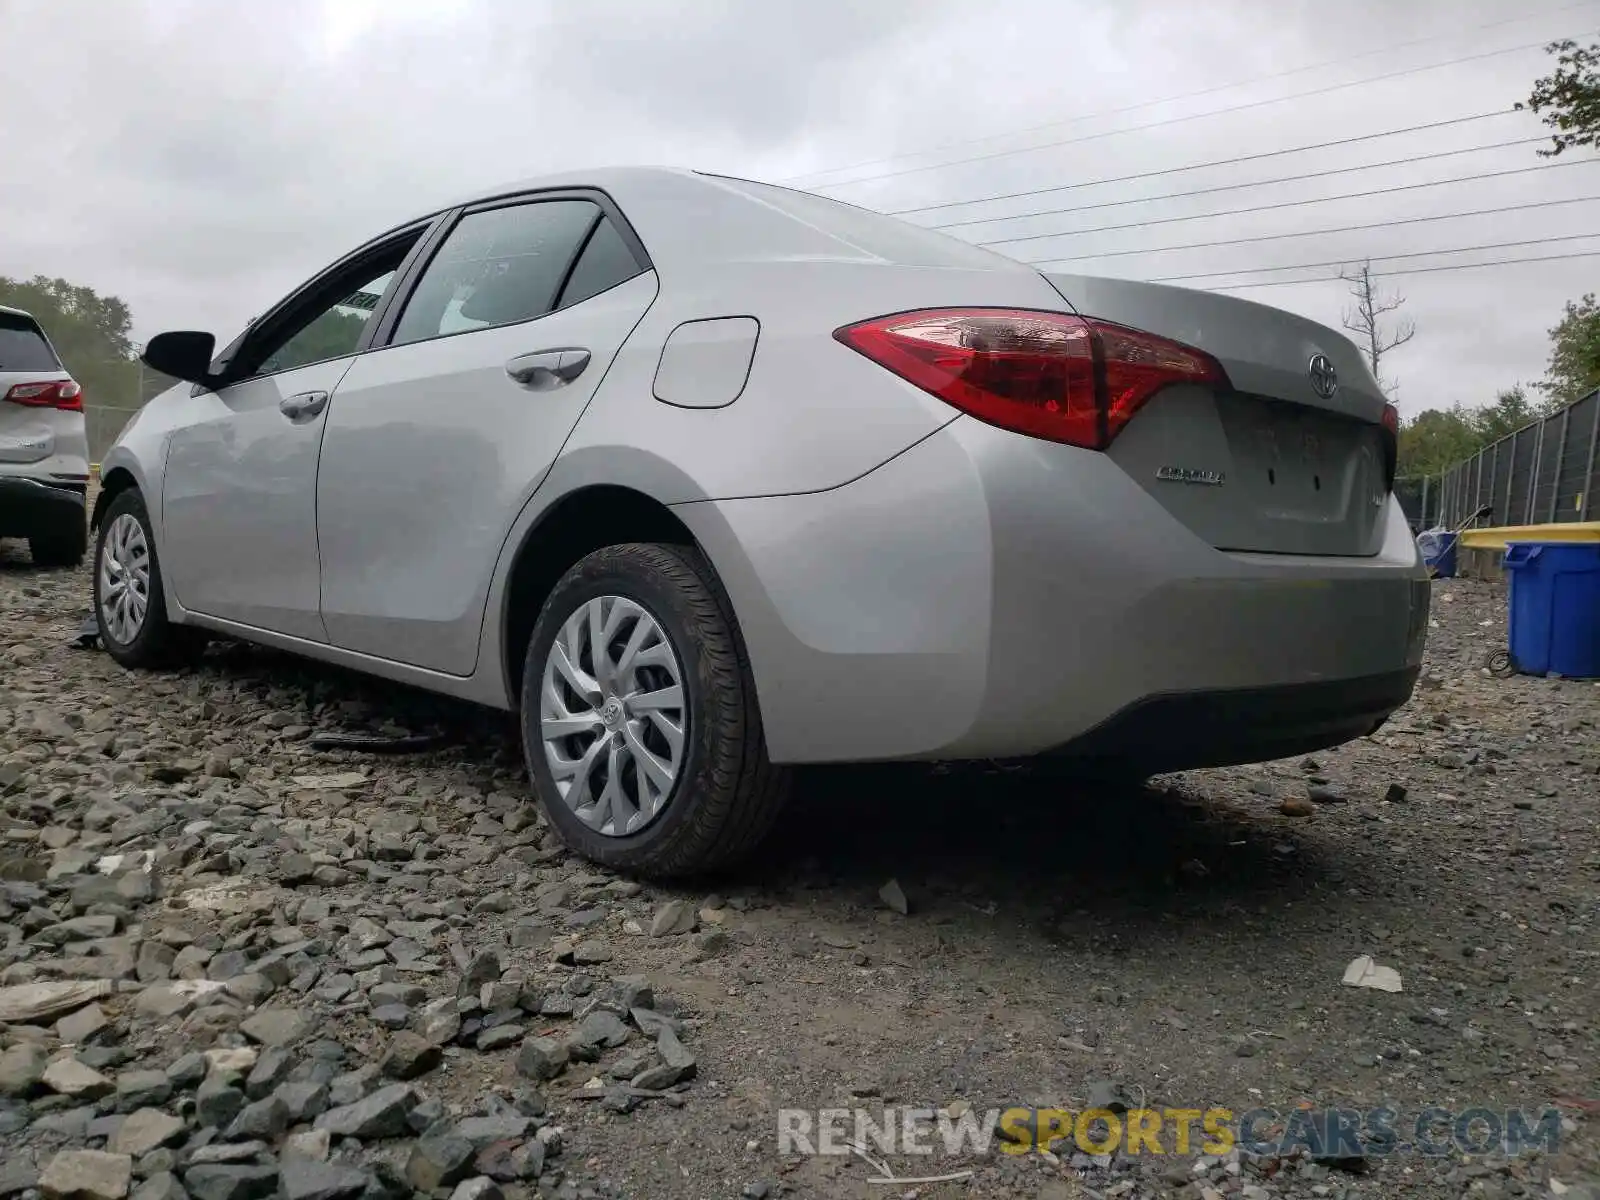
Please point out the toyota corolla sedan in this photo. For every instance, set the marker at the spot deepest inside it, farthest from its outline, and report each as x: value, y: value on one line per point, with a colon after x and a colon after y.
x: 707, y: 478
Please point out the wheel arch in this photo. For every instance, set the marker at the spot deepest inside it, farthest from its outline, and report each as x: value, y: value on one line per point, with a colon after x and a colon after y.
x: 580, y: 522
x: 113, y: 483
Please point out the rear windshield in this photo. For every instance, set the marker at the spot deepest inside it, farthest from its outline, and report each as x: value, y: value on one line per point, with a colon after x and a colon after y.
x: 22, y: 346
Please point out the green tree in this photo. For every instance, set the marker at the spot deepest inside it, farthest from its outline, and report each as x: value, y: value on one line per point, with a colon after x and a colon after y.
x: 1510, y: 411
x: 89, y: 331
x: 1574, y: 369
x: 1435, y: 440
x: 1568, y: 99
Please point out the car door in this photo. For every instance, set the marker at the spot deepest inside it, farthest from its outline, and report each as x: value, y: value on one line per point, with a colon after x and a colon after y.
x: 238, y: 503
x: 435, y: 440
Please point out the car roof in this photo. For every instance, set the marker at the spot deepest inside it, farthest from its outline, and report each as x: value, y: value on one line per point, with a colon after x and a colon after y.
x: 688, y: 218
x: 17, y: 312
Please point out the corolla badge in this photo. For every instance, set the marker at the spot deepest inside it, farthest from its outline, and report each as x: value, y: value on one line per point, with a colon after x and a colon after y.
x: 1195, y: 475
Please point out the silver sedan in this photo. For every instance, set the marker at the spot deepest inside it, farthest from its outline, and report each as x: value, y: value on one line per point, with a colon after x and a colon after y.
x: 705, y: 478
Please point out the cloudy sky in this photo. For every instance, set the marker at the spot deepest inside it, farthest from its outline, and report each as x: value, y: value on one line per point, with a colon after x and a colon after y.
x: 200, y: 157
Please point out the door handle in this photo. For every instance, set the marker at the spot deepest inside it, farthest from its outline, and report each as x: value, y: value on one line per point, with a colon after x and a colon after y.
x: 546, y: 370
x: 303, y: 404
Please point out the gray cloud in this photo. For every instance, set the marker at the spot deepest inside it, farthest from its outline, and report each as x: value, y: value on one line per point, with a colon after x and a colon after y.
x: 200, y: 159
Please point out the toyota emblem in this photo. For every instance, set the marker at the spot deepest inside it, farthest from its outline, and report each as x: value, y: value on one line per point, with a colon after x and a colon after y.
x: 1324, y: 379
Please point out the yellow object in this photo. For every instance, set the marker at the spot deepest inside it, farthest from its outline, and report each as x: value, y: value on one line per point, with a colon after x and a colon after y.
x: 1495, y: 538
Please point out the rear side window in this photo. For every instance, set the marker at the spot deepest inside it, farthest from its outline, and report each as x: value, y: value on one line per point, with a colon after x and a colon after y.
x: 497, y: 267
x: 23, y: 347
x: 605, y: 262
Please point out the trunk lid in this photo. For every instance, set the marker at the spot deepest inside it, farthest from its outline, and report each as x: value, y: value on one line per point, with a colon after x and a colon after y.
x: 1274, y: 466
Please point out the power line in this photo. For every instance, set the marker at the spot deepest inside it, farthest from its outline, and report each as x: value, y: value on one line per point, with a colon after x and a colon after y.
x: 1341, y: 262
x: 1224, y: 87
x: 1234, y: 187
x: 1258, y: 208
x: 1276, y: 237
x: 1216, y: 112
x: 1501, y: 262
x: 1219, y: 162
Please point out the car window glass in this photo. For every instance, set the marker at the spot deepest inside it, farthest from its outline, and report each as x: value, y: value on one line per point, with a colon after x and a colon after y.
x: 497, y: 267
x: 332, y: 331
x: 605, y: 262
x: 23, y: 347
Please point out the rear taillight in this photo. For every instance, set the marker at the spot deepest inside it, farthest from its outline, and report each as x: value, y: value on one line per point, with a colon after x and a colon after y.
x: 1049, y: 375
x: 54, y: 393
x: 1391, y: 444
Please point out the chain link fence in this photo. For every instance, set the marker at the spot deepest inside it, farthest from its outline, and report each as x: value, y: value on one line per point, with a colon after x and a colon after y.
x: 103, y: 420
x: 1542, y: 474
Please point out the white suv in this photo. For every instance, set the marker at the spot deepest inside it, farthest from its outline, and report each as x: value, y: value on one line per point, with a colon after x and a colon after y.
x: 44, y: 450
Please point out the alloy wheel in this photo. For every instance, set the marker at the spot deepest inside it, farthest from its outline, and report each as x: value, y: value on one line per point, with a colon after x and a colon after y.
x: 124, y: 578
x: 613, y: 715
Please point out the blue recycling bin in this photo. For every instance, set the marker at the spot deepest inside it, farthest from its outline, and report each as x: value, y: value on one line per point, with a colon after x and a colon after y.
x: 1438, y: 549
x: 1555, y: 608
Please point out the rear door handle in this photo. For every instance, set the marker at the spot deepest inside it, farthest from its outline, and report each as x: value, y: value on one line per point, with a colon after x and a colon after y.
x: 303, y: 404
x: 548, y: 369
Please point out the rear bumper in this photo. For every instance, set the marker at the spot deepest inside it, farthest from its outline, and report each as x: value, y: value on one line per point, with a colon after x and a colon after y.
x: 1187, y: 730
x: 988, y: 595
x: 32, y: 508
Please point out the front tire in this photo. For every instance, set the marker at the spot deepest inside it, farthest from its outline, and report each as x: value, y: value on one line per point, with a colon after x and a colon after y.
x: 639, y: 718
x: 129, y: 597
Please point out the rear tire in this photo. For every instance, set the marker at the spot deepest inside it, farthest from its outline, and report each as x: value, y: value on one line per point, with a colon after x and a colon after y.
x: 724, y: 794
x: 59, y: 549
x: 130, y: 604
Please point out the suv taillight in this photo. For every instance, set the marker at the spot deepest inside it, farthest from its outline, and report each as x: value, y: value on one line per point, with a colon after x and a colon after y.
x: 55, y: 393
x: 1049, y: 375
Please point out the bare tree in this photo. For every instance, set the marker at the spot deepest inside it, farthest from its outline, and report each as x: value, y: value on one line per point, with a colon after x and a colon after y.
x: 1366, y: 320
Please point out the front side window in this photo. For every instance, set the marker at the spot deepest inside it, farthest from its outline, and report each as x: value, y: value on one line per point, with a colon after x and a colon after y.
x: 330, y: 330
x: 501, y: 266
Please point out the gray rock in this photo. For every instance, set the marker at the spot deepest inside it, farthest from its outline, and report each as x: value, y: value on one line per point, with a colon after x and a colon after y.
x: 410, y: 1055
x: 673, y: 917
x: 602, y: 1028
x: 77, y: 1028
x: 391, y: 1016
x: 276, y: 1026
x: 314, y: 1144
x: 439, y: 1021
x: 499, y: 1037
x: 353, y: 1085
x: 633, y: 991
x: 438, y: 1159
x: 142, y: 1089
x: 271, y: 1069
x: 143, y: 1131
x: 483, y: 968
x: 480, y: 1187
x: 382, y: 1114
x: 160, y: 1185
x: 307, y: 1179
x: 231, y: 1181
x: 86, y: 1175
x: 265, y: 1120
x: 508, y: 1162
x: 500, y: 1127
x: 894, y: 897
x: 69, y: 1077
x: 542, y: 1058
x: 303, y: 1101
x: 675, y: 1054
x: 22, y: 1069
x: 188, y: 1070
x: 217, y: 1102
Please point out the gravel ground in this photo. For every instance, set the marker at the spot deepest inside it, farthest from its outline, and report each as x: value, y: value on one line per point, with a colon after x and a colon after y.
x: 326, y: 974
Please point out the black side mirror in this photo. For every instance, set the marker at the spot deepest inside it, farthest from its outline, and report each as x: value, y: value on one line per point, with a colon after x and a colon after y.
x: 184, y: 354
